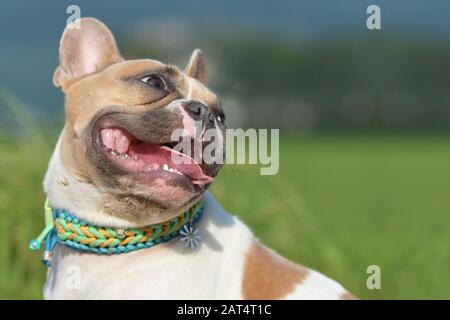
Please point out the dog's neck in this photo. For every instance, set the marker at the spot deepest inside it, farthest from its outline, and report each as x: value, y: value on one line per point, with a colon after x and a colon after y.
x: 64, y: 191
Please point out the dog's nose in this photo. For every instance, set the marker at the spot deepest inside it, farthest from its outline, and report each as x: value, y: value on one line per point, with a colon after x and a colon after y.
x: 198, y: 111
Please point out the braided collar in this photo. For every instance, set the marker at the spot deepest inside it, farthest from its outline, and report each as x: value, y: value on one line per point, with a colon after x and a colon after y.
x: 65, y: 228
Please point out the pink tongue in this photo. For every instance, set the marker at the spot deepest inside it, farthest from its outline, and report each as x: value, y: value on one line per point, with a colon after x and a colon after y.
x: 154, y: 154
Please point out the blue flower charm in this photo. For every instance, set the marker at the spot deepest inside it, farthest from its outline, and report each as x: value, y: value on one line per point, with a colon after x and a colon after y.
x: 190, y: 237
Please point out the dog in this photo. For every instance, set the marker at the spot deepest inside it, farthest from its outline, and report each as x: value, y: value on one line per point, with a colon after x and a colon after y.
x: 111, y: 167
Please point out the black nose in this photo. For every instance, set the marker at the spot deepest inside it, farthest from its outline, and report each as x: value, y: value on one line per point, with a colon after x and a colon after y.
x: 198, y: 111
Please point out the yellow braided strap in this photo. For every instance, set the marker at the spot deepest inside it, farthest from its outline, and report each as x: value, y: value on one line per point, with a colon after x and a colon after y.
x: 80, y: 235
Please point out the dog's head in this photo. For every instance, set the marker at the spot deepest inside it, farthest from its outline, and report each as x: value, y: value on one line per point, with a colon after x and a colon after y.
x: 121, y: 116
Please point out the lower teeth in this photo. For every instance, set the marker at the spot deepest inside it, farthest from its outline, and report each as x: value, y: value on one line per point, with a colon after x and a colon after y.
x: 166, y: 168
x: 125, y: 155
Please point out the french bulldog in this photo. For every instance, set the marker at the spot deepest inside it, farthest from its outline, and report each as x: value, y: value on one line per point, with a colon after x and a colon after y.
x: 112, y: 167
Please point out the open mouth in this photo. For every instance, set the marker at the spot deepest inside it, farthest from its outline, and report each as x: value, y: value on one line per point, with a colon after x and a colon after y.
x: 135, y: 156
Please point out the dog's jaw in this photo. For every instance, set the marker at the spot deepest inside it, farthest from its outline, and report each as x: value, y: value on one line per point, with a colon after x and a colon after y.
x: 67, y: 191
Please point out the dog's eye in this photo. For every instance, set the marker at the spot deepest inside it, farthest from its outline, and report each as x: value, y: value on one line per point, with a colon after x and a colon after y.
x: 155, y: 82
x: 220, y: 118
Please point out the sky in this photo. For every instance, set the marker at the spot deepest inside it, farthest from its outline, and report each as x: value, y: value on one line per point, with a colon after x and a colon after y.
x: 30, y: 30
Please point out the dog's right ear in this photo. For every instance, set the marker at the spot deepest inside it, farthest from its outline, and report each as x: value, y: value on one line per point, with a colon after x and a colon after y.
x: 85, y: 50
x: 196, y: 67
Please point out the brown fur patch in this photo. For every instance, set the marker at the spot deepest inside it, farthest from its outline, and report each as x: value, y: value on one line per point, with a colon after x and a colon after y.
x: 268, y: 275
x: 201, y: 93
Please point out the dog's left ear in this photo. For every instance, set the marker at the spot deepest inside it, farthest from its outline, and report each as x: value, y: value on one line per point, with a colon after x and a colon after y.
x: 196, y: 67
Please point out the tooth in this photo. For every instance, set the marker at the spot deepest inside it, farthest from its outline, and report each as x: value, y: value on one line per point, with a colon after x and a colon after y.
x: 122, y: 142
x: 166, y: 167
x: 107, y: 138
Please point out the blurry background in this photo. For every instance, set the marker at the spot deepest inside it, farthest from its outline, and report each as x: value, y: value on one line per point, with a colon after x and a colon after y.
x: 364, y: 118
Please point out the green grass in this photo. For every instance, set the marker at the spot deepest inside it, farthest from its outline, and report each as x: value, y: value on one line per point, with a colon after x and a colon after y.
x: 339, y: 204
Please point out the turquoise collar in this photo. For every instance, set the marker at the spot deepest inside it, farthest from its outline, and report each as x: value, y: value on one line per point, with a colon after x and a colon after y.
x: 65, y: 228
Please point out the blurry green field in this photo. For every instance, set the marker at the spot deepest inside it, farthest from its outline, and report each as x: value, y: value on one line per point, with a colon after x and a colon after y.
x: 339, y: 204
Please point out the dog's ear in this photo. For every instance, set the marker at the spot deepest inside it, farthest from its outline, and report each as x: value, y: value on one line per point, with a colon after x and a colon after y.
x: 196, y: 67
x: 85, y: 48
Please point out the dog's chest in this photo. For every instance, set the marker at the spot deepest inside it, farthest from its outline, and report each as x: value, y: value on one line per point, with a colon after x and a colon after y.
x: 167, y: 271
